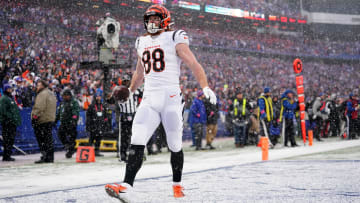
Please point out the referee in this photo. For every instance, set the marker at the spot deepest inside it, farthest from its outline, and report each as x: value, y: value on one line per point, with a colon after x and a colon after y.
x: 126, y: 116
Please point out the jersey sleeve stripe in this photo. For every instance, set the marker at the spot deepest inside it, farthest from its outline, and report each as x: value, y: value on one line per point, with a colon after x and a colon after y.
x: 173, y: 37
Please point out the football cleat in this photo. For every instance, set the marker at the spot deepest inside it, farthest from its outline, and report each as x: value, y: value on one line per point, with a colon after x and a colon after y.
x: 178, y: 191
x: 119, y: 191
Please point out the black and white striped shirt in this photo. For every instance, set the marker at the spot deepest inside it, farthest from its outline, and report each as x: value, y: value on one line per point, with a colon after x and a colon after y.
x: 129, y: 107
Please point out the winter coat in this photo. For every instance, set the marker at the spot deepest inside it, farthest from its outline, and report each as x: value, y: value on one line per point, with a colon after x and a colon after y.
x: 288, y: 108
x: 68, y: 113
x: 197, y: 112
x: 351, y: 112
x: 27, y: 97
x: 319, y: 109
x: 254, y: 124
x: 44, y: 107
x: 97, y: 118
x: 9, y: 111
x: 265, y: 107
x: 212, y: 112
x: 240, y: 110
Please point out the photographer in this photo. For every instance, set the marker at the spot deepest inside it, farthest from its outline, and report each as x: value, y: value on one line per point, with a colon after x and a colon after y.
x: 97, y: 122
x: 240, y: 111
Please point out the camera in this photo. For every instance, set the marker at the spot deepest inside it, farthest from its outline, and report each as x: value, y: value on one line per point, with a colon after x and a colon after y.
x: 108, y: 32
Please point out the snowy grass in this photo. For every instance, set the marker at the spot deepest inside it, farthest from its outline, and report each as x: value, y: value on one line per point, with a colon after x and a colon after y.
x: 67, y: 181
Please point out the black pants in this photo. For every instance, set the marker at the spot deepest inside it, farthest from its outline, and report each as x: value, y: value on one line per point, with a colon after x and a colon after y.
x: 97, y: 137
x: 289, y: 132
x: 354, y: 126
x: 319, y: 126
x: 125, y: 138
x: 45, y: 140
x: 67, y: 135
x: 334, y: 126
x: 199, y: 133
x: 8, y: 133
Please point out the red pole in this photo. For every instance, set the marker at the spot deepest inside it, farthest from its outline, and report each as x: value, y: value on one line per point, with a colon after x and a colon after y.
x: 297, y: 66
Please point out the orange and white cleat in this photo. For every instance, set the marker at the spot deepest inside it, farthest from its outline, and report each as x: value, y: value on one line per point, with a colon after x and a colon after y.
x: 119, y: 191
x: 178, y: 191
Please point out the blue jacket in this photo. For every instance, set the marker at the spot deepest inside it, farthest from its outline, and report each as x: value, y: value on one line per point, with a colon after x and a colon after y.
x: 350, y: 107
x: 288, y: 108
x: 263, y: 111
x: 197, y: 108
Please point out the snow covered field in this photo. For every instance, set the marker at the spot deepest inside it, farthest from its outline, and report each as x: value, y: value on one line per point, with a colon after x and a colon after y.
x: 326, y: 172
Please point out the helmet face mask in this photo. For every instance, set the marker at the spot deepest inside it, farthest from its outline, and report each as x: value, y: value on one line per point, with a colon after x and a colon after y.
x: 151, y: 26
x: 162, y: 13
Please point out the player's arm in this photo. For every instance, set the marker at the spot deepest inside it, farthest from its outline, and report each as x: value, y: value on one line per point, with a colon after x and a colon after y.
x: 190, y: 60
x: 138, y: 76
x: 186, y: 55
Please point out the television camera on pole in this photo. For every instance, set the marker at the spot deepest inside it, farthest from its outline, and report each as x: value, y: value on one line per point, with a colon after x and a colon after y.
x: 107, y: 36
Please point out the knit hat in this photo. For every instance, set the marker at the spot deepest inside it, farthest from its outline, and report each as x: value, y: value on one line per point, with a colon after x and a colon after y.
x: 6, y: 87
x: 67, y: 92
x: 289, y: 91
x: 266, y: 89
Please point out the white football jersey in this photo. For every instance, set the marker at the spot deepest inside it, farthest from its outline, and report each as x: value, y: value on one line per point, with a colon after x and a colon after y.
x: 160, y: 60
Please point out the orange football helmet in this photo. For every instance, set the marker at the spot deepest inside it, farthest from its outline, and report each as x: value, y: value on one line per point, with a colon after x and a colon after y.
x: 163, y: 13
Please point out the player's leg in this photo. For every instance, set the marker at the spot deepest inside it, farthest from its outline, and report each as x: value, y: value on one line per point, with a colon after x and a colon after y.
x: 145, y: 122
x: 173, y: 124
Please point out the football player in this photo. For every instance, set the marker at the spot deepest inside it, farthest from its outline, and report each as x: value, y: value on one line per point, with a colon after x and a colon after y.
x: 160, y: 53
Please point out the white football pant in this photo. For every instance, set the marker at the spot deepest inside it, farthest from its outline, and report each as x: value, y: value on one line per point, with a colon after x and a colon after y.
x: 165, y: 105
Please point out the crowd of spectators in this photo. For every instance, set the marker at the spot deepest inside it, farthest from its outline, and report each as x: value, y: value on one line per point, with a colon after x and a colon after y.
x: 201, y: 35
